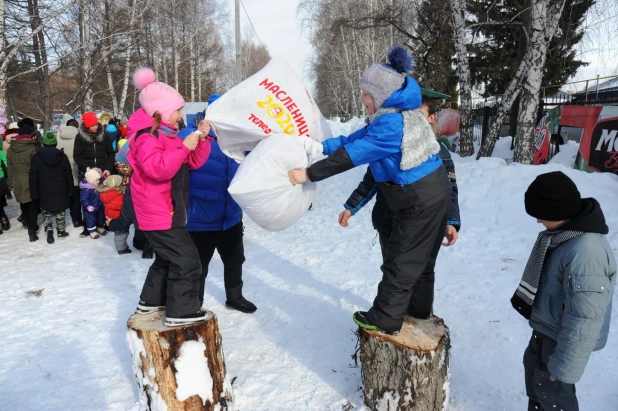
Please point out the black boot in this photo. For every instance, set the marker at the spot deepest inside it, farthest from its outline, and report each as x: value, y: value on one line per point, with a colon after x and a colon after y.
x: 32, y: 235
x: 84, y: 233
x: 148, y: 251
x: 50, y: 236
x: 62, y: 234
x: 236, y: 301
x: 4, y: 222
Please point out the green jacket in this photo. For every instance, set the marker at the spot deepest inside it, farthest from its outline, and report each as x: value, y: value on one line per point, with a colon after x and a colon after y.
x: 3, y: 165
x: 20, y: 158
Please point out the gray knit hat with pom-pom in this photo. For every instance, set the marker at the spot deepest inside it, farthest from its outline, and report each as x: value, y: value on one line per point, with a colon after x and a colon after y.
x: 382, y: 79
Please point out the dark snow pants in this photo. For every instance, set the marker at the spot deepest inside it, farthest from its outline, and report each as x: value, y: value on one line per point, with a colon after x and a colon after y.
x: 419, y: 215
x: 30, y: 213
x: 94, y: 219
x: 230, y: 247
x: 543, y: 393
x: 76, y: 206
x: 173, y: 279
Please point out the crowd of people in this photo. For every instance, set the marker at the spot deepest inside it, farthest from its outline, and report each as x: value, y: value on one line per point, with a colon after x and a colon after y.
x: 171, y: 185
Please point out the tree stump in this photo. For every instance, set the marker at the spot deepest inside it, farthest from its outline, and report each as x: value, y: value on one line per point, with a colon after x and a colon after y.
x: 180, y: 368
x: 409, y: 371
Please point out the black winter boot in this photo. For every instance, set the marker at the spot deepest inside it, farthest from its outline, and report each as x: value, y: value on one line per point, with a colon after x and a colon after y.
x: 32, y: 235
x: 62, y: 234
x: 6, y: 225
x: 148, y: 251
x: 84, y: 233
x: 236, y: 301
x: 50, y: 237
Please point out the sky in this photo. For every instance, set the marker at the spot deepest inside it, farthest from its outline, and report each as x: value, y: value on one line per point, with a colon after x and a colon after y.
x: 279, y: 28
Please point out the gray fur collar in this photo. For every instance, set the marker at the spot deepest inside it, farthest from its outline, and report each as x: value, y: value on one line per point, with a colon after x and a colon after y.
x: 90, y: 137
x: 418, y: 142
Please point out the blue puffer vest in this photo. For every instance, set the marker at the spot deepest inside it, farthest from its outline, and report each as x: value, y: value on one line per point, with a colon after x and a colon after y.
x: 211, y: 208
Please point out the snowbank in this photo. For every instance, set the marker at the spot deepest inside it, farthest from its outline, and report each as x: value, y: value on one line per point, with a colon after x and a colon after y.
x: 567, y: 155
x: 64, y: 347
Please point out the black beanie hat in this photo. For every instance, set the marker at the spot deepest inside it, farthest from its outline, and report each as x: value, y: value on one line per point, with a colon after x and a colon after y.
x: 25, y: 129
x: 553, y: 197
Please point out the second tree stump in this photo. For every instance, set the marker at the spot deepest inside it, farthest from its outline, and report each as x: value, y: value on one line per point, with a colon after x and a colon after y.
x: 180, y: 368
x: 409, y: 371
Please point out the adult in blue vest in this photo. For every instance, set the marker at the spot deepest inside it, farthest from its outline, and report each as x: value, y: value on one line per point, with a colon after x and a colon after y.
x: 215, y: 220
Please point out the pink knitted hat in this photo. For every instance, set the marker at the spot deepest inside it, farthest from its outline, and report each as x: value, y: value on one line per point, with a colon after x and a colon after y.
x: 156, y: 96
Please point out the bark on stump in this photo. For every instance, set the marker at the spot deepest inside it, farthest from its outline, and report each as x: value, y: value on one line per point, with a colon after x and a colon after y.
x: 409, y: 371
x: 169, y: 364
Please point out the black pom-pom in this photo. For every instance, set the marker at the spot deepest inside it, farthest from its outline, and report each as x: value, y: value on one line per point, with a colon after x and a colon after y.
x: 399, y: 59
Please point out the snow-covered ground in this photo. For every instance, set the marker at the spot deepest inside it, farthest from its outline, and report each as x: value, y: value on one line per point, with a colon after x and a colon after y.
x: 64, y: 307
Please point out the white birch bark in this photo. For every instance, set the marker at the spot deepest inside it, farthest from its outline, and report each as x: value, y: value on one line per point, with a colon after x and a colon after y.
x: 465, y: 81
x: 540, y: 22
x: 85, y: 56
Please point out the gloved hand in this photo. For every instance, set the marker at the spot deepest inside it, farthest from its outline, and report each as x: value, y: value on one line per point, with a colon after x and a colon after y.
x: 90, y: 208
x: 106, y: 174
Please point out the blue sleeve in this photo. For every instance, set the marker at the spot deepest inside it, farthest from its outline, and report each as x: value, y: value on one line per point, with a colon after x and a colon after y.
x: 382, y: 139
x: 454, y: 218
x: 365, y: 191
x: 332, y: 144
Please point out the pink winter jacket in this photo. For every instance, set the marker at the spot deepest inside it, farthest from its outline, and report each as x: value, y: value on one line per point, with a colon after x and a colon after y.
x: 160, y: 179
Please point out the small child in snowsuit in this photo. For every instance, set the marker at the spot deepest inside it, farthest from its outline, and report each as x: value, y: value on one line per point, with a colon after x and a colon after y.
x: 94, y: 212
x: 565, y: 292
x: 112, y: 195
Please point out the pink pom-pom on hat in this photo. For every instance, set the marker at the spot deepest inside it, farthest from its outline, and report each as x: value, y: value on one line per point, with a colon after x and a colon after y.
x: 143, y: 77
x: 156, y: 96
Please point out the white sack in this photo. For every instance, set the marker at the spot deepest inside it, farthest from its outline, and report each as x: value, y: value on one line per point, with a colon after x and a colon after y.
x: 273, y: 101
x: 262, y: 188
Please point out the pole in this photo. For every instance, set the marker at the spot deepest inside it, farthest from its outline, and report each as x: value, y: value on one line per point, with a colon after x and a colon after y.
x: 238, y: 46
x: 597, y: 96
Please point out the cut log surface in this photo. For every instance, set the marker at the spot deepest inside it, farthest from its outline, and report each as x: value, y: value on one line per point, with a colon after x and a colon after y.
x: 408, y: 371
x: 178, y: 368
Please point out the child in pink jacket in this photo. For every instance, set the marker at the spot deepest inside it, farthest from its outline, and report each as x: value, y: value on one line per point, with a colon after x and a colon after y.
x: 159, y: 188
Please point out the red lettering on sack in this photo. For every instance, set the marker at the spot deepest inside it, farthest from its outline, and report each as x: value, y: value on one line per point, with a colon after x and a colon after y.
x: 278, y: 95
x: 292, y: 106
x: 273, y: 89
x: 286, y: 100
x: 266, y: 84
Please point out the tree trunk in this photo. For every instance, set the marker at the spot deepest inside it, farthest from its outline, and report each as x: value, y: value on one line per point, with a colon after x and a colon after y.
x: 409, y: 371
x: 192, y: 60
x: 127, y: 62
x: 39, y: 51
x: 85, y: 57
x: 466, y: 135
x: 181, y: 368
x: 529, y: 99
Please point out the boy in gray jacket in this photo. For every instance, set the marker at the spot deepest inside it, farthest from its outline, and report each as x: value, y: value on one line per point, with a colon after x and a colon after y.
x: 566, y: 291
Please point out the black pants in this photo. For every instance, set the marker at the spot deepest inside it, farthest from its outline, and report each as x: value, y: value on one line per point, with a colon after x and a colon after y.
x: 30, y: 212
x: 173, y: 279
x: 230, y: 247
x: 76, y: 207
x: 410, y: 250
x: 544, y: 394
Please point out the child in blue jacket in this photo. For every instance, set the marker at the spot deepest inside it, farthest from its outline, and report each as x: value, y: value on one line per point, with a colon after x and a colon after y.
x: 402, y: 152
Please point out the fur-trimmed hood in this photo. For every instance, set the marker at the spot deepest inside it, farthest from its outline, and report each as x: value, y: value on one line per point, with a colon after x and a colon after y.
x: 89, y: 137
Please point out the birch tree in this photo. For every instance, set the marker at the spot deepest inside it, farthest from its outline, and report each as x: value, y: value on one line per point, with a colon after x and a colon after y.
x: 465, y: 81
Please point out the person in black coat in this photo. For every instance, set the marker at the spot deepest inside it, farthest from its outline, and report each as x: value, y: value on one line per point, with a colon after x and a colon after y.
x: 92, y: 147
x: 51, y: 183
